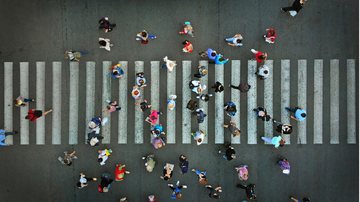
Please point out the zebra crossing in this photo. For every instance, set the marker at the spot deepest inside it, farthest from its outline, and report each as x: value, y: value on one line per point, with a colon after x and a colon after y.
x: 182, y: 72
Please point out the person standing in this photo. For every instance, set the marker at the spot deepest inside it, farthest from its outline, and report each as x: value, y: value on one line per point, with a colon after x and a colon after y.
x: 3, y: 135
x: 21, y: 102
x: 299, y: 113
x: 34, y: 114
x: 235, y: 40
x: 214, y: 192
x: 243, y: 87
x: 176, y: 194
x: 259, y: 56
x: 294, y: 8
x: 105, y: 43
x: 183, y: 164
x: 276, y: 141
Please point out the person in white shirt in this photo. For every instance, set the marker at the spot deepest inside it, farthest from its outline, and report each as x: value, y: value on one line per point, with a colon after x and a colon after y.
x: 105, y: 43
x: 263, y: 72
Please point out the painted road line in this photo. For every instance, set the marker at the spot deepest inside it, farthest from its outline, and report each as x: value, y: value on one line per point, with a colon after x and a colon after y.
x: 204, y: 80
x: 90, y: 94
x: 106, y: 95
x: 123, y: 95
x: 334, y: 102
x: 155, y: 85
x: 318, y: 101
x: 302, y: 100
x: 235, y: 96
x: 8, y: 100
x: 40, y: 101
x: 268, y: 99
x: 186, y: 113
x: 56, y: 105
x: 252, y: 104
x: 219, y: 107
x: 351, y: 102
x: 139, y: 115
x: 285, y: 94
x: 24, y: 92
x: 74, y: 103
x: 171, y: 115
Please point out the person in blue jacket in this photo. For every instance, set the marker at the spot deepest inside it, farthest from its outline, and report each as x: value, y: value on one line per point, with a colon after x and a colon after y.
x: 3, y: 135
x: 176, y: 190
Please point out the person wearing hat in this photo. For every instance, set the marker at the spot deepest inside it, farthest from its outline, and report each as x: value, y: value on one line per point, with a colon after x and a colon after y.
x: 171, y: 103
x: 299, y: 113
x: 261, y: 113
x: 202, y: 71
x: 263, y: 72
x: 34, y: 114
x: 243, y: 87
x: 187, y: 29
x: 235, y: 40
x: 103, y: 156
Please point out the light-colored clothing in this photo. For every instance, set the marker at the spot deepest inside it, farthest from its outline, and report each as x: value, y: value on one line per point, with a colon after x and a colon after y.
x: 298, y: 113
x: 274, y: 141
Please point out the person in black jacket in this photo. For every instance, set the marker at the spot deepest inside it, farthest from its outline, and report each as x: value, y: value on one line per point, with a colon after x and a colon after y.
x: 250, y: 190
x: 295, y: 7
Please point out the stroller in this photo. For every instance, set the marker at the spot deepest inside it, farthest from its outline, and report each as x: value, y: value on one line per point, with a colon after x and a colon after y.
x: 149, y: 162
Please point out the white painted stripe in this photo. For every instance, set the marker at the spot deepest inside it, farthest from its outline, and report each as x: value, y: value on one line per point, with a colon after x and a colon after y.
x: 219, y: 107
x: 186, y: 113
x: 285, y: 94
x: 123, y: 95
x: 74, y: 103
x: 252, y: 103
x: 351, y: 102
x: 24, y: 91
x: 155, y: 85
x: 235, y: 96
x: 268, y: 99
x: 302, y: 100
x: 40, y: 101
x: 318, y: 101
x: 106, y: 95
x: 56, y: 106
x: 204, y: 125
x: 334, y: 102
x: 139, y: 116
x: 90, y: 94
x: 171, y: 114
x: 8, y: 100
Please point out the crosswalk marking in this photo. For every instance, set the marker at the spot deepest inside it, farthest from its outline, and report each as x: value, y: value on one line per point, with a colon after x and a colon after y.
x: 351, y: 102
x: 74, y: 103
x: 40, y: 101
x: 302, y: 100
x: 90, y: 94
x: 268, y: 99
x: 204, y: 80
x: 251, y: 120
x: 56, y: 116
x: 285, y: 94
x: 219, y: 107
x: 235, y: 96
x: 24, y: 91
x: 8, y: 100
x: 186, y: 114
x: 171, y: 114
x: 155, y: 86
x: 139, y: 116
x: 106, y: 95
x: 334, y: 102
x: 123, y: 103
x: 318, y: 101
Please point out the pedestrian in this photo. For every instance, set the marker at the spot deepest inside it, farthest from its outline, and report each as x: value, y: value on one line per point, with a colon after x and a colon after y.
x: 140, y: 79
x: 233, y: 129
x: 120, y: 171
x: 68, y: 158
x: 202, y: 176
x: 83, y: 181
x: 249, y: 189
x: 210, y: 54
x: 106, y: 25
x: 204, y: 97
x: 171, y: 102
x: 169, y: 64
x: 243, y: 172
x: 176, y: 194
x: 276, y: 141
x: 183, y: 164
x: 149, y: 162
x: 235, y: 40
x: 270, y: 35
x: 200, y: 115
x: 136, y: 93
x: 112, y: 106
x: 116, y: 71
x: 95, y: 124
x: 73, y: 55
x: 103, y: 156
x: 263, y: 72
x: 34, y: 114
x: 282, y: 128
x: 144, y: 37
x: 202, y: 71
x: 3, y: 135
x: 105, y: 43
x: 299, y: 113
x: 305, y: 199
x: 229, y: 153
x: 294, y: 8
x: 259, y: 56
x: 214, y: 192
x: 144, y: 105
x: 243, y: 87
x: 198, y: 136
x: 218, y: 87
x: 153, y: 117
x: 21, y: 102
x: 187, y: 29
x: 220, y: 60
x: 261, y: 113
x: 230, y: 108
x: 167, y: 171
x: 188, y: 47
x: 105, y: 183
x: 284, y: 166
x: 94, y: 138
x: 157, y: 130
x: 157, y: 142
x: 198, y: 89
x: 123, y: 199
x: 192, y: 105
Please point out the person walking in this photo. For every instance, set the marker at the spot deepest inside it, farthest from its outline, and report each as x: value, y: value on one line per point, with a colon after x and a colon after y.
x: 198, y: 136
x: 21, y: 102
x: 243, y: 172
x: 202, y: 71
x: 3, y: 135
x: 294, y: 8
x: 210, y: 54
x: 95, y: 124
x: 220, y: 60
x: 230, y: 108
x: 120, y: 171
x: 94, y: 138
x: 263, y: 72
x: 277, y: 141
x: 176, y: 194
x: 183, y: 164
x: 169, y: 64
x: 140, y: 80
x: 105, y: 183
x: 112, y: 106
x: 235, y: 40
x: 305, y: 199
x: 171, y: 102
x: 243, y: 87
x: 284, y: 165
x: 34, y: 114
x: 74, y: 55
x: 261, y: 113
x: 188, y: 47
x: 299, y: 113
x: 116, y: 71
x: 103, y: 156
x: 167, y: 171
x: 270, y: 35
x: 218, y: 87
x: 259, y: 56
x: 204, y: 97
x: 153, y: 117
x: 105, y: 43
x: 214, y: 192
x: 282, y: 128
x: 229, y: 153
x: 106, y: 25
x: 187, y: 29
x: 144, y: 105
x: 200, y: 115
x: 202, y: 176
x: 144, y: 37
x: 249, y: 189
x: 68, y: 158
x: 83, y: 181
x: 233, y: 129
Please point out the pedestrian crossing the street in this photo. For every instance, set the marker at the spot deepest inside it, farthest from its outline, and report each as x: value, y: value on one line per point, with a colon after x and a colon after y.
x: 309, y: 82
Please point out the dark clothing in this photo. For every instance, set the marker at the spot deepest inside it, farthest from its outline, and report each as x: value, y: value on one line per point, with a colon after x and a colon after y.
x: 243, y: 87
x: 105, y: 24
x: 250, y: 190
x: 213, y: 193
x: 184, y: 165
x: 296, y: 6
x: 144, y: 106
x: 229, y: 151
x: 265, y: 117
x: 218, y: 87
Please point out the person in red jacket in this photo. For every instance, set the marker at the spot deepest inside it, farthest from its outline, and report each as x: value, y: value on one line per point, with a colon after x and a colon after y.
x: 270, y: 35
x: 188, y: 47
x: 33, y: 114
x: 259, y: 56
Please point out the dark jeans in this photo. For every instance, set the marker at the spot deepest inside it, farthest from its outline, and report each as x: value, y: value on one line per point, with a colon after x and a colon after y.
x: 292, y: 109
x: 290, y: 8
